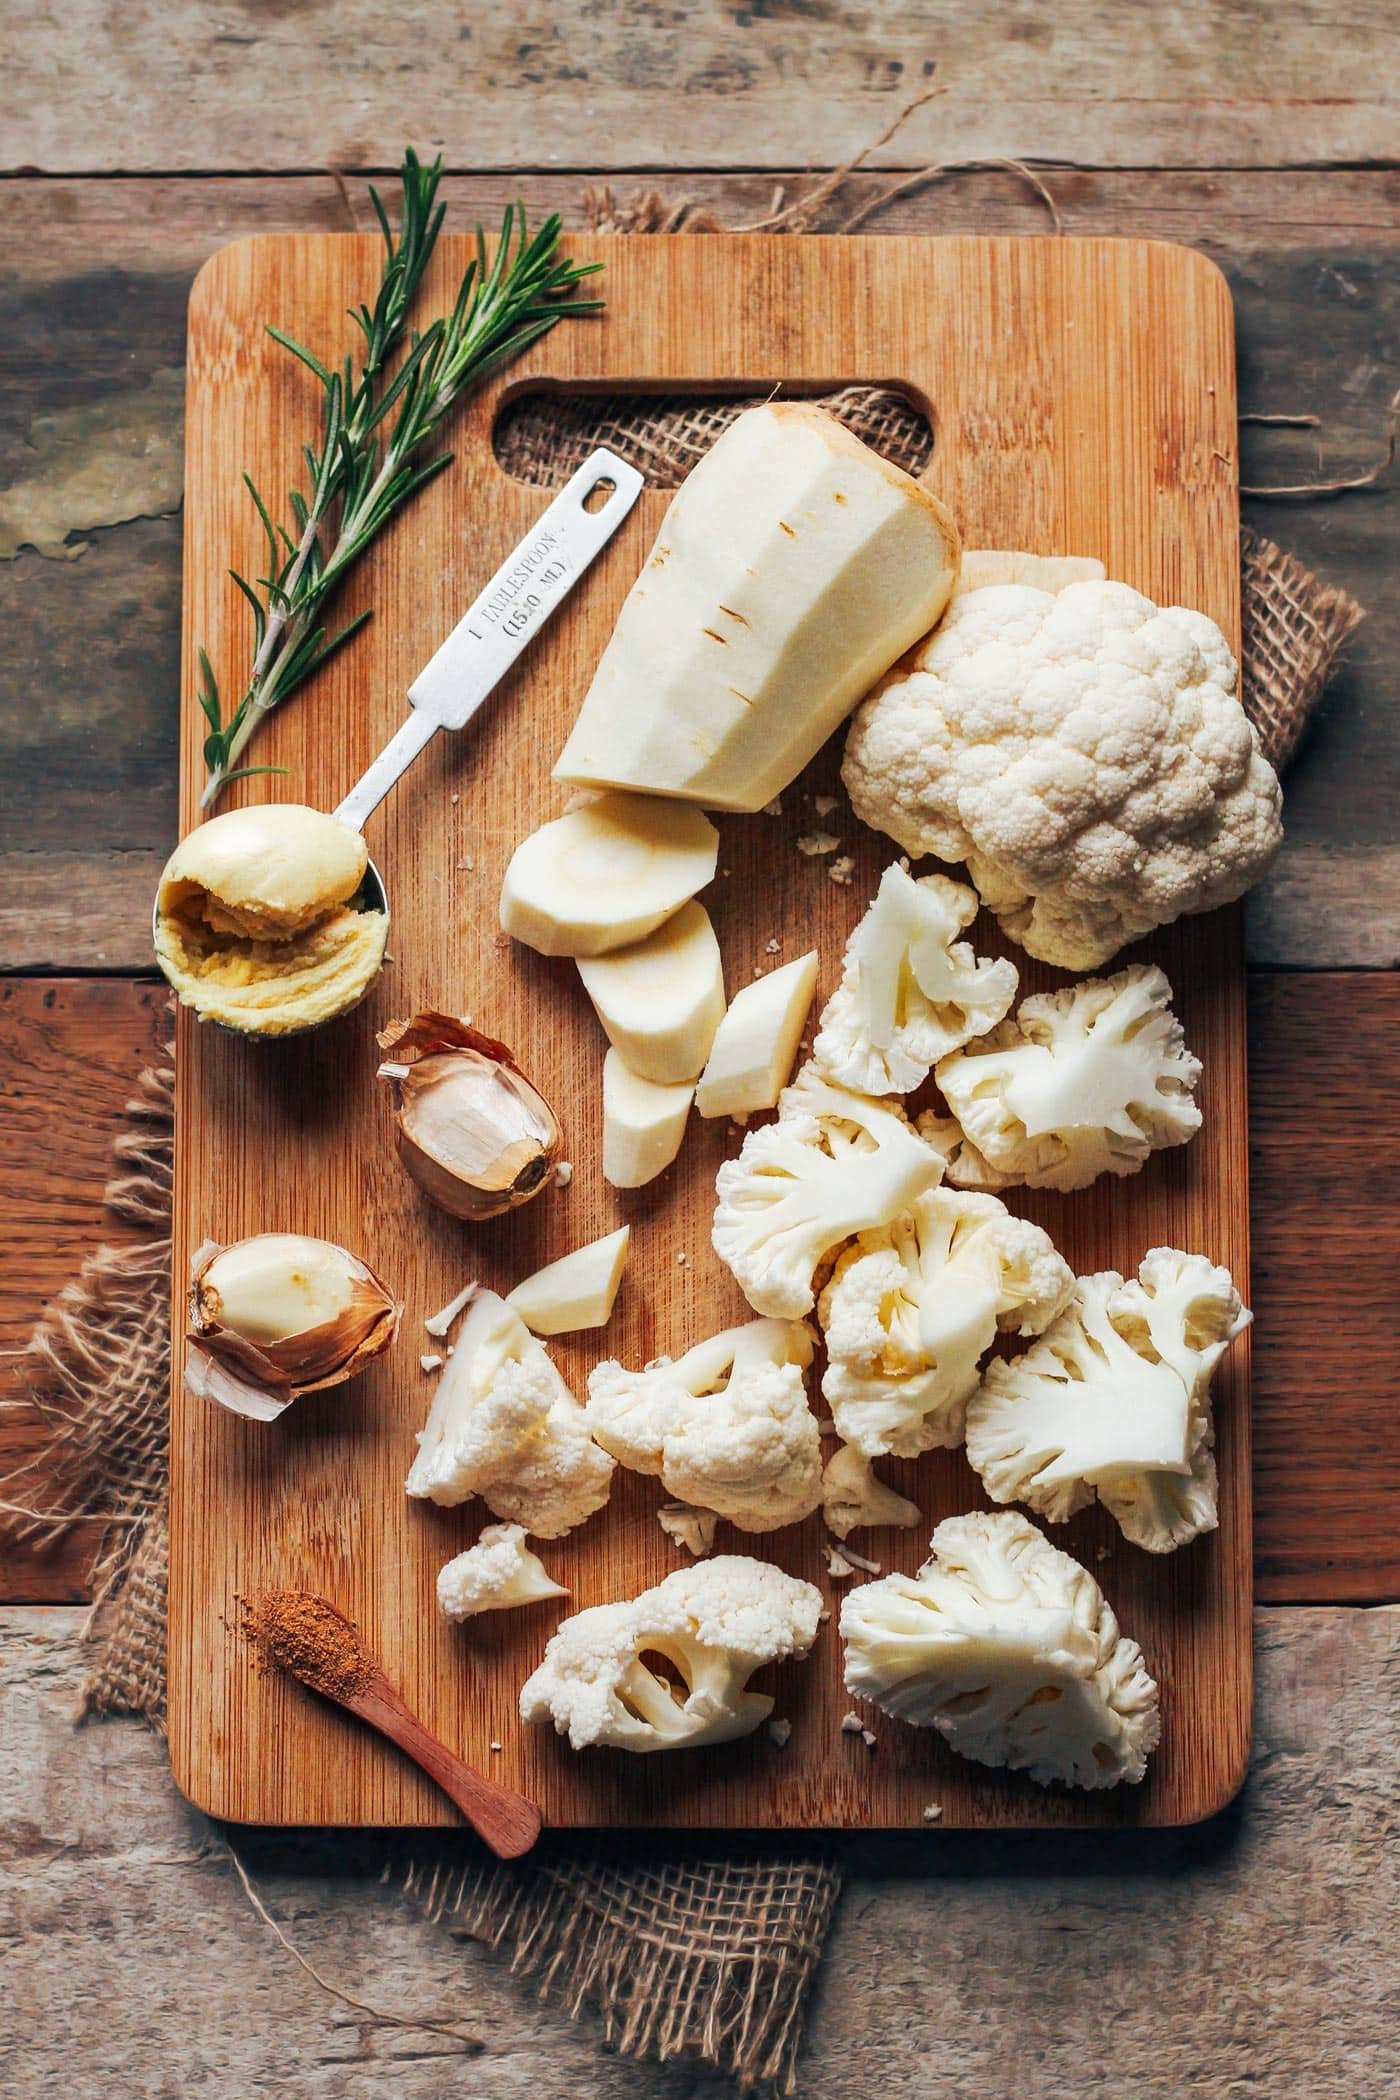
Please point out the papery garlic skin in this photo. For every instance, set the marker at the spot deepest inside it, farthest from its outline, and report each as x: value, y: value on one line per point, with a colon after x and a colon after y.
x: 280, y: 1314
x: 471, y: 1130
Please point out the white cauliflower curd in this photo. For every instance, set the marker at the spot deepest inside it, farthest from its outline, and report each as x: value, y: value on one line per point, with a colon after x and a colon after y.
x: 1010, y: 1650
x: 912, y: 1309
x: 727, y: 1425
x: 1087, y: 1081
x: 496, y: 1574
x: 834, y: 1164
x: 1085, y: 752
x: 713, y: 1624
x: 1113, y: 1401
x: 910, y: 991
x: 504, y: 1425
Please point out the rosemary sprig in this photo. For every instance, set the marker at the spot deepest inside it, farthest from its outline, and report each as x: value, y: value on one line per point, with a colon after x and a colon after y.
x: 374, y: 452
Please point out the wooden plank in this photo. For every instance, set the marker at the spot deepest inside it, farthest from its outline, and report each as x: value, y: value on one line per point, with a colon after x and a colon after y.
x: 627, y: 85
x: 1084, y: 396
x: 71, y: 1052
x: 1327, y: 1473
x: 984, y: 1964
x: 93, y: 317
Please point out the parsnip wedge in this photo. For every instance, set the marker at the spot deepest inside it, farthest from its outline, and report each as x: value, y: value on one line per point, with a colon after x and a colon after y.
x: 792, y: 568
x: 578, y: 1290
x: 606, y: 874
x: 984, y: 566
x: 643, y: 1125
x: 756, y: 1044
x: 662, y: 999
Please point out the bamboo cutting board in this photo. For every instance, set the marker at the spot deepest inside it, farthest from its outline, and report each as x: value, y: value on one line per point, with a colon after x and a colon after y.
x: 1082, y: 394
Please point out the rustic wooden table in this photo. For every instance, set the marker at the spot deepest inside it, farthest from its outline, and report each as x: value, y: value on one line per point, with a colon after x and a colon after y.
x: 1253, y: 1951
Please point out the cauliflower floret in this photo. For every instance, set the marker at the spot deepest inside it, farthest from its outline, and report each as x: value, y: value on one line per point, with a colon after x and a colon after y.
x: 498, y: 1572
x: 910, y: 991
x: 1087, y: 1081
x: 727, y: 1425
x: 912, y: 1309
x: 504, y: 1425
x: 692, y: 1528
x: 1113, y: 1401
x: 854, y: 1500
x: 1009, y: 1649
x: 715, y: 1624
x: 1084, y: 752
x: 834, y: 1164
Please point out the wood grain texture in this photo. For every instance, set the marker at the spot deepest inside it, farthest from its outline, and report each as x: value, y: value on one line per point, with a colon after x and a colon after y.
x: 207, y: 85
x: 71, y: 1053
x: 92, y: 309
x: 1254, y: 1955
x: 1326, y: 1466
x: 1083, y: 394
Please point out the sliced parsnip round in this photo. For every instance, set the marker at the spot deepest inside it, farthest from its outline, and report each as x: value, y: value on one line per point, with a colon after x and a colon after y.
x: 662, y: 999
x: 643, y: 1125
x: 577, y: 1291
x: 606, y: 874
x: 754, y: 1051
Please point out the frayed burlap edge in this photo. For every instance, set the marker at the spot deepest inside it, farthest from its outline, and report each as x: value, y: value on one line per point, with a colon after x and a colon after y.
x: 707, y: 1960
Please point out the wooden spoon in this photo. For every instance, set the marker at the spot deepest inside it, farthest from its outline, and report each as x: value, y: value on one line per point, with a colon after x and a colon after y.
x: 507, y: 1822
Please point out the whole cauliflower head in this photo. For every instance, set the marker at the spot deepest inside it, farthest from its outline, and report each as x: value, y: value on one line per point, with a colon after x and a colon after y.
x: 1085, y: 752
x: 715, y: 1624
x: 1113, y: 1402
x: 1009, y: 1649
x: 912, y: 1309
x: 504, y: 1425
x: 727, y: 1425
x: 495, y: 1574
x: 1086, y: 1081
x: 835, y: 1163
x: 910, y: 991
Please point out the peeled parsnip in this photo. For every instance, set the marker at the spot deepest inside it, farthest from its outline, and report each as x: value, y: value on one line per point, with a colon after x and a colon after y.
x: 643, y: 1125
x: 792, y: 569
x: 662, y: 999
x: 606, y: 874
x: 756, y: 1046
x: 577, y: 1291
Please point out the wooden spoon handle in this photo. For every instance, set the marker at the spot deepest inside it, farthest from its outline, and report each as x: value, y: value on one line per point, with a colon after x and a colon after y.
x: 507, y: 1822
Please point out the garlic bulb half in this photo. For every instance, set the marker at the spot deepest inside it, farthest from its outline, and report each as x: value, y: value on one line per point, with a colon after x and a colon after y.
x: 472, y: 1131
x: 278, y: 1315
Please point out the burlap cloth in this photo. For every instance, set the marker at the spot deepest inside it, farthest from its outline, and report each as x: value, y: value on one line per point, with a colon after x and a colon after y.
x: 712, y: 1958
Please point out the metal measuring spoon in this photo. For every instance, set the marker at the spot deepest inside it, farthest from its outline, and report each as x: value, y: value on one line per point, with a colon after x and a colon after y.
x: 505, y: 616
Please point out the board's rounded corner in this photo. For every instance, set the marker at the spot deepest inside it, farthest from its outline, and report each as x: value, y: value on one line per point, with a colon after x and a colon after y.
x: 1206, y: 267
x: 204, y: 287
x: 201, y: 1796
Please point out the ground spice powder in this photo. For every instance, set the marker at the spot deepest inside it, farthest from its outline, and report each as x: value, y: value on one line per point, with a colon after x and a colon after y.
x: 294, y: 1630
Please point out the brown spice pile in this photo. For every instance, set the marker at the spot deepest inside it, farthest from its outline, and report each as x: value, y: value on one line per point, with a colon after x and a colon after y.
x: 294, y: 1630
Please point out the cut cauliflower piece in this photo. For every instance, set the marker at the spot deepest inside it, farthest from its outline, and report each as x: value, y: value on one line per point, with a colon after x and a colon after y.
x: 1010, y: 1650
x: 1086, y: 1081
x: 715, y: 1624
x: 495, y: 1574
x: 912, y: 1309
x: 727, y: 1425
x: 854, y: 1500
x: 692, y: 1528
x: 910, y: 991
x: 504, y: 1425
x: 1084, y: 752
x: 1113, y: 1401
x: 834, y: 1164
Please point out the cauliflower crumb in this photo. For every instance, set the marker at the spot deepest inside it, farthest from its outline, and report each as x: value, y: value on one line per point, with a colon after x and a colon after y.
x: 739, y: 1122
x: 841, y: 871
x: 455, y: 800
x: 934, y: 1812
x: 852, y: 1724
x: 563, y: 1174
x: 438, y: 1323
x: 682, y: 1257
x: 858, y: 1560
x: 837, y: 1565
x: 772, y: 809
x: 869, y: 1738
x: 814, y: 842
x: 823, y: 1615
x: 431, y: 1363
x: 824, y: 804
x: 773, y: 947
x: 495, y: 1746
x: 779, y: 1732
